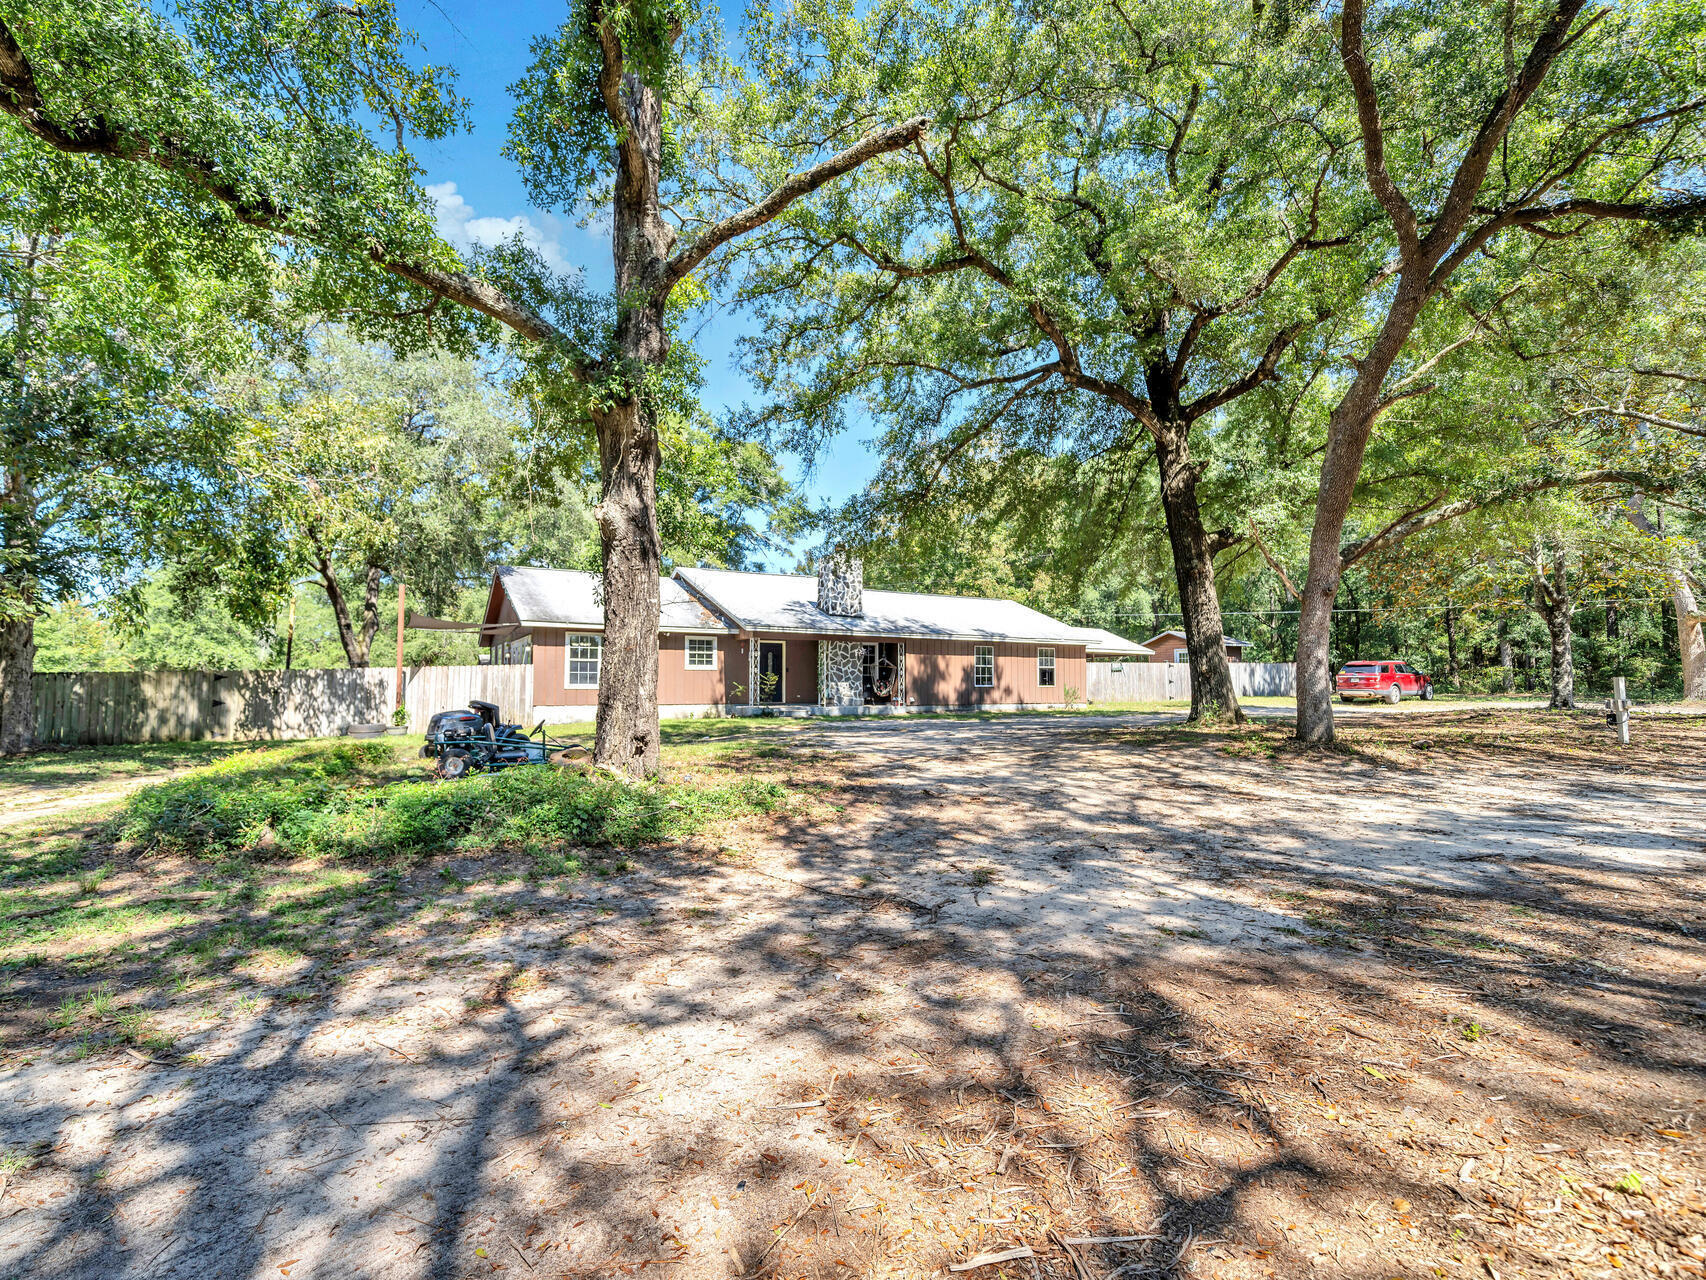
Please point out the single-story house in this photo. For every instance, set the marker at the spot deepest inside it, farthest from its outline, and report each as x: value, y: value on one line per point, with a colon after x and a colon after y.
x: 732, y: 642
x: 1105, y: 646
x: 1169, y: 646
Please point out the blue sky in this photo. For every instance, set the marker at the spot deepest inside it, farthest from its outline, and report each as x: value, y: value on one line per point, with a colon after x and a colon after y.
x: 481, y: 197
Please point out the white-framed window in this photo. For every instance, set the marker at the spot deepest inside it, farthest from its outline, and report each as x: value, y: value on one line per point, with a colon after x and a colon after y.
x: 983, y: 666
x: 1045, y: 667
x: 582, y: 661
x: 513, y: 653
x: 701, y: 653
x: 1182, y: 656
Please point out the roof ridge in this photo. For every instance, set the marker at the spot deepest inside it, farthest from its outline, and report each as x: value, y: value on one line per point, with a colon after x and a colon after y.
x: 891, y: 591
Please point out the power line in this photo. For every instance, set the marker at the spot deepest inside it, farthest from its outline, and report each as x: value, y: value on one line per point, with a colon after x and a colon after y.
x: 1406, y: 608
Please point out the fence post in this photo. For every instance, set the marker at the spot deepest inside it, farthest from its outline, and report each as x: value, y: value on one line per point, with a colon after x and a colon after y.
x: 1619, y: 705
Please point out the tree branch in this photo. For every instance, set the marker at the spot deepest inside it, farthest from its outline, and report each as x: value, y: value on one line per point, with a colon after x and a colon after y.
x: 1428, y: 518
x: 1273, y: 564
x: 1397, y: 206
x: 793, y: 188
x: 1685, y: 427
x: 21, y: 98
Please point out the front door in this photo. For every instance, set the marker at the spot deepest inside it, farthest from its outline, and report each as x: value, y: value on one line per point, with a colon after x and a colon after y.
x: 770, y: 668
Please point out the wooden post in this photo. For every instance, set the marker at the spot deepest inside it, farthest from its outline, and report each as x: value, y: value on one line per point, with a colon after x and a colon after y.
x: 400, y: 615
x: 1619, y: 705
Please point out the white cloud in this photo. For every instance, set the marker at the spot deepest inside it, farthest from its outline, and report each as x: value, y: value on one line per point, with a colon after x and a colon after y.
x: 457, y: 224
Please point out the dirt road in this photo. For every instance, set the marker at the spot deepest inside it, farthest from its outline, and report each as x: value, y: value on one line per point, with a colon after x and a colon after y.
x: 1221, y: 1010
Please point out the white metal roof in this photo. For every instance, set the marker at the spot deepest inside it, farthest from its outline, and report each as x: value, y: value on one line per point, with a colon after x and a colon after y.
x: 575, y: 598
x: 1225, y: 639
x: 786, y: 602
x: 1098, y: 641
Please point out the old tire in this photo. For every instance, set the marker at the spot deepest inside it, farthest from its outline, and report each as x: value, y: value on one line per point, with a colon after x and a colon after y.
x: 1395, y: 695
x: 366, y: 730
x: 453, y: 765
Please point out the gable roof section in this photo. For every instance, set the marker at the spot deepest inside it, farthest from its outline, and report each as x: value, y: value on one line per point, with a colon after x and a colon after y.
x: 788, y: 603
x: 1224, y: 638
x: 574, y: 598
x: 1100, y: 642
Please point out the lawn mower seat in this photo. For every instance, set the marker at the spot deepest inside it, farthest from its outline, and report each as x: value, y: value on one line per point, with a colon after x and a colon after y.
x: 488, y: 712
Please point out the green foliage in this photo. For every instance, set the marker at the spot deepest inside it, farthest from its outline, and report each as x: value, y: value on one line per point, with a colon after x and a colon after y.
x: 330, y: 802
x: 116, y: 458
x: 562, y: 137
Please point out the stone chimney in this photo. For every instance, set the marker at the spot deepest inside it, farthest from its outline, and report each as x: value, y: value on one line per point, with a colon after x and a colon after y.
x: 841, y: 585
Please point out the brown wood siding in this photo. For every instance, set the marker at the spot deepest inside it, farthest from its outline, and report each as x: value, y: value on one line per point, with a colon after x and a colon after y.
x: 550, y: 653
x: 942, y: 673
x: 1166, y: 650
x: 680, y: 686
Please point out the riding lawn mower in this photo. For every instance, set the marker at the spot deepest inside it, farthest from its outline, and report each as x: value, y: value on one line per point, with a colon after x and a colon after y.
x: 473, y: 741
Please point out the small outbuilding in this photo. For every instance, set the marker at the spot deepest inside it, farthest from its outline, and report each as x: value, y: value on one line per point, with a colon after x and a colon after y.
x: 1105, y: 646
x: 1169, y: 646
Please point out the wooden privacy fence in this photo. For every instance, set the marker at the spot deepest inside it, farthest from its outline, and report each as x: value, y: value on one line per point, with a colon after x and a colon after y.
x: 96, y: 707
x: 1171, y: 681
x: 430, y: 689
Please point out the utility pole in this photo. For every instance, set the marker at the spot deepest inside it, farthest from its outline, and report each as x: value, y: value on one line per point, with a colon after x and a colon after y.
x: 400, y: 616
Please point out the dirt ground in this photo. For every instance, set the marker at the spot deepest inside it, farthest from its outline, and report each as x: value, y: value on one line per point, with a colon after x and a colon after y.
x: 1128, y: 999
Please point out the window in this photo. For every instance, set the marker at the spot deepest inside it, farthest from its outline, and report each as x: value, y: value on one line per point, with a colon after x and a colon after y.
x: 1045, y: 668
x: 513, y: 653
x: 1182, y: 655
x: 701, y: 653
x: 983, y: 666
x: 584, y: 655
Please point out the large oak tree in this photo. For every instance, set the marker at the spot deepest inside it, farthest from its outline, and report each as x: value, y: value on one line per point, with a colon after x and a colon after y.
x: 1480, y: 124
x: 1126, y: 222
x: 297, y: 118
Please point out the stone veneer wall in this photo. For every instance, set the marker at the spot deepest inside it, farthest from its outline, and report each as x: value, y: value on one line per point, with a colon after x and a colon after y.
x: 840, y: 673
x: 841, y: 585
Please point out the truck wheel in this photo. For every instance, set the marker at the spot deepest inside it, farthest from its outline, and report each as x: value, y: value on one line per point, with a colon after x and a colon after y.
x: 1395, y: 695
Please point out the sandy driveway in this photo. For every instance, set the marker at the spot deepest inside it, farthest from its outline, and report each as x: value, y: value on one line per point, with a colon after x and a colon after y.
x: 1049, y: 980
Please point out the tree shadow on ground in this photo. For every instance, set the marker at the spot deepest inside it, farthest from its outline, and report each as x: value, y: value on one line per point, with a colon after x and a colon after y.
x: 1096, y: 987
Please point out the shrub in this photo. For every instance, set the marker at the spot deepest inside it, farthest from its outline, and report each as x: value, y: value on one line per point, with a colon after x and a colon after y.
x: 323, y: 803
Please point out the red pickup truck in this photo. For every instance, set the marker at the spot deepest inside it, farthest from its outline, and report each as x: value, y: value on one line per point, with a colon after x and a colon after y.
x: 1393, y: 681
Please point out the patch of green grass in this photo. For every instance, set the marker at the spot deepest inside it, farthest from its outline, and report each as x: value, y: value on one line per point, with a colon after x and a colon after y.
x: 338, y: 802
x: 1629, y: 1182
x: 14, y: 1161
x: 84, y: 766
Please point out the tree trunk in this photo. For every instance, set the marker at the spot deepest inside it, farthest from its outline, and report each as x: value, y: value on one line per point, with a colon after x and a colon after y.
x: 1450, y: 645
x: 1690, y: 622
x: 1348, y: 429
x: 17, y: 694
x: 369, y: 613
x: 627, y: 735
x: 1506, y: 660
x: 1212, y: 694
x: 1563, y: 654
x: 1690, y: 633
x: 357, y: 644
x: 628, y: 452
